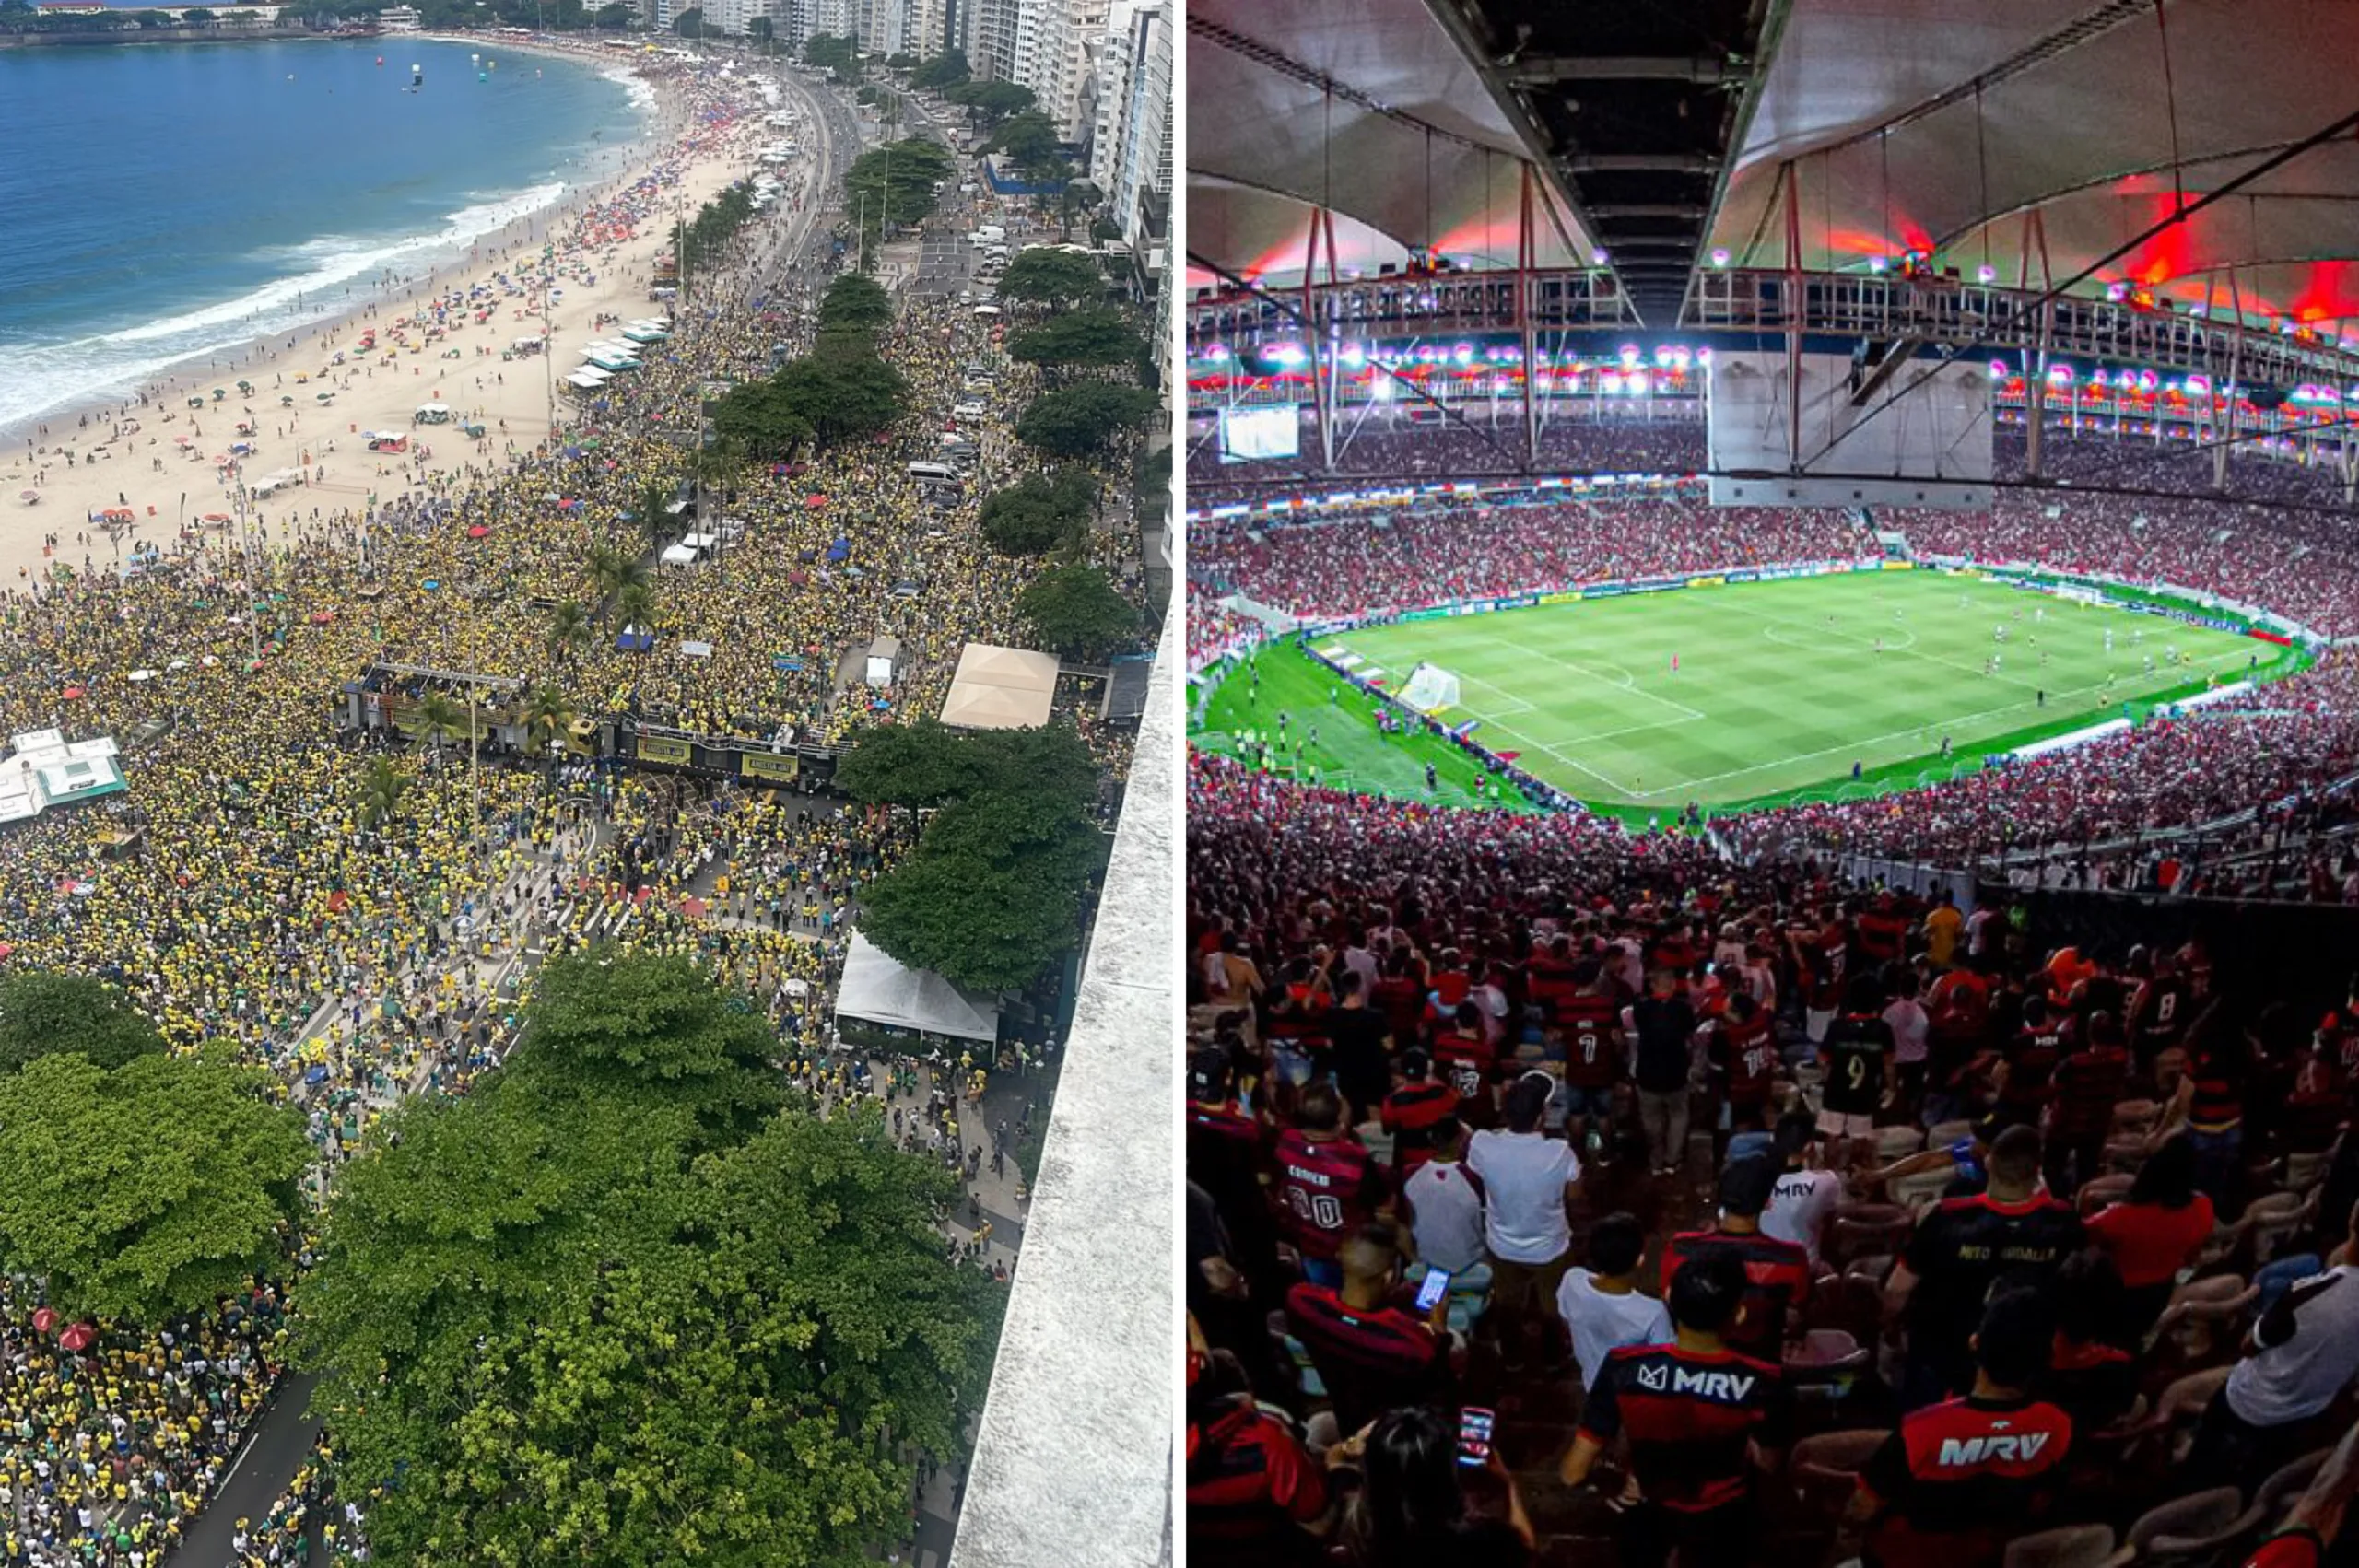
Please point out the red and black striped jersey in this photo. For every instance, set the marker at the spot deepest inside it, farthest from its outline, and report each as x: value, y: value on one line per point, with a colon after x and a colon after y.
x: 2087, y: 1083
x: 1468, y: 1065
x: 1745, y: 1056
x: 1776, y: 1278
x: 1592, y: 1029
x: 2032, y: 1056
x: 1370, y: 1360
x: 1410, y: 1113
x: 1957, y: 1479
x: 1251, y: 1483
x: 1689, y: 1416
x: 1325, y: 1189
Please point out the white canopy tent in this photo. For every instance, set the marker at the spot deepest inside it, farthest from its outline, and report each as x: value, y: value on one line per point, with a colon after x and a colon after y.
x: 879, y: 989
x: 1001, y: 688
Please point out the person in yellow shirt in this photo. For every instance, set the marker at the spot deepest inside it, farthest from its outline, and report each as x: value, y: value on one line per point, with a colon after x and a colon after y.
x: 1944, y: 928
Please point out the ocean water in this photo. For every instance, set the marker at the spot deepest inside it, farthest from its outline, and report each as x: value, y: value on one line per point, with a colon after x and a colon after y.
x: 163, y: 201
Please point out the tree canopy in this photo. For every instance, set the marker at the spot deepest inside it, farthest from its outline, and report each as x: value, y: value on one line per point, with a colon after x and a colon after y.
x: 1079, y: 337
x: 150, y: 1190
x: 1077, y: 613
x: 1083, y: 419
x: 1040, y: 513
x: 1047, y: 275
x: 991, y: 894
x: 993, y: 100
x: 945, y: 70
x: 841, y: 391
x: 42, y: 1013
x: 836, y: 53
x: 854, y: 303
x: 689, y: 23
x: 569, y: 1316
x: 895, y: 180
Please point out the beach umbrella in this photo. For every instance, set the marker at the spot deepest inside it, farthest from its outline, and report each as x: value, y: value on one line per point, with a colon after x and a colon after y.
x: 177, y: 664
x: 45, y: 1319
x: 78, y: 1339
x: 209, y: 662
x: 29, y: 496
x: 73, y: 694
x: 478, y: 531
x: 138, y: 675
x: 815, y: 502
x: 184, y: 441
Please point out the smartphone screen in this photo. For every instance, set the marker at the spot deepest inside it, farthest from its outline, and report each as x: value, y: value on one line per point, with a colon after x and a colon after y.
x: 1475, y: 1436
x: 1432, y: 1288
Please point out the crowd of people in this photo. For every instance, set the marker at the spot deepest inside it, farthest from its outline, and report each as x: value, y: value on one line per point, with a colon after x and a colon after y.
x: 1563, y: 1195
x: 260, y: 885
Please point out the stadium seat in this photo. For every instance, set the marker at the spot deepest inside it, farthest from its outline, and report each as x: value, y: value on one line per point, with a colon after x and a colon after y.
x: 2185, y: 1530
x: 2193, y: 1321
x: 2156, y: 1440
x: 1823, y: 1368
x: 1921, y: 1191
x: 1866, y: 1229
x: 1897, y: 1143
x: 1941, y: 1134
x: 2075, y: 1546
x: 2271, y: 1220
x: 2304, y: 1172
x: 2136, y: 1116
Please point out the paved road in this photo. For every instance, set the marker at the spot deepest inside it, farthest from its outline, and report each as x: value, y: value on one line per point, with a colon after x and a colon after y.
x: 264, y: 1467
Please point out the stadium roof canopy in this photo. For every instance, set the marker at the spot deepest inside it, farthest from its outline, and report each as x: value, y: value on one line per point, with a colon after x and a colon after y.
x: 1991, y: 134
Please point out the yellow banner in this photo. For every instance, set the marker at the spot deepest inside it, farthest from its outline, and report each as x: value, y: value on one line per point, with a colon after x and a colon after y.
x: 658, y: 748
x: 1707, y: 582
x: 769, y: 764
x: 1899, y: 566
x: 1571, y: 598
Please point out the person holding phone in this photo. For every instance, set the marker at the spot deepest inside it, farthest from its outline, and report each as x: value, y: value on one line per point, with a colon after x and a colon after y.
x: 1371, y: 1354
x: 1432, y: 1492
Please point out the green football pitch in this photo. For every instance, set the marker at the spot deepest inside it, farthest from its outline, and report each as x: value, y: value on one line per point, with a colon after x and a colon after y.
x: 1781, y: 688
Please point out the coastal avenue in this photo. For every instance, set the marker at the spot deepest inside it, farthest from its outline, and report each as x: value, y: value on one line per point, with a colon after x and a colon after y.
x: 281, y: 1442
x: 369, y: 912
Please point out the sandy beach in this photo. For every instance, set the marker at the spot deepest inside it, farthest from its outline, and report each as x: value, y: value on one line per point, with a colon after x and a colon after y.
x: 296, y: 408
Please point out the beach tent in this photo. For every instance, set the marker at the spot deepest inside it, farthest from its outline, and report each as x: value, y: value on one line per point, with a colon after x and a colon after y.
x: 879, y: 989
x: 679, y: 555
x: 999, y: 688
x: 633, y: 640
x: 840, y: 550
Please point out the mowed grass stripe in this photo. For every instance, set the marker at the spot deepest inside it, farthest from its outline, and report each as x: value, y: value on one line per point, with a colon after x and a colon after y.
x: 1780, y: 686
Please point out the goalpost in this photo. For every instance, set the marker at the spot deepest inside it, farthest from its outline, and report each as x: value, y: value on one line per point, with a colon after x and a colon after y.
x: 1430, y: 689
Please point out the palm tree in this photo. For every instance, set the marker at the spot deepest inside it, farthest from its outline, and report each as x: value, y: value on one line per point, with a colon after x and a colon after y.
x: 547, y: 717
x: 634, y: 606
x: 382, y: 788
x: 440, y: 717
x: 653, y: 519
x: 568, y: 630
x: 612, y: 570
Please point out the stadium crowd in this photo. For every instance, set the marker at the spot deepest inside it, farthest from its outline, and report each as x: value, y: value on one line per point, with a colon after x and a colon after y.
x: 1766, y: 1219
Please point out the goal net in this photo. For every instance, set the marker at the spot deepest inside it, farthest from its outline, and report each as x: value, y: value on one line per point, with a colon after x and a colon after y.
x: 1431, y: 688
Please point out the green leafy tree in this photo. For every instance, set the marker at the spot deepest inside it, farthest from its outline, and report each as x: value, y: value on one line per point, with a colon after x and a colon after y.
x: 1045, y: 275
x: 1028, y: 138
x: 760, y: 30
x: 576, y: 1316
x: 634, y: 606
x: 917, y: 763
x: 439, y: 719
x: 992, y: 895
x: 993, y: 100
x: 150, y: 1190
x: 945, y: 70
x: 1079, y: 337
x: 1039, y: 514
x: 893, y: 186
x: 43, y: 1012
x: 853, y: 303
x: 689, y: 23
x: 842, y: 396
x: 1076, y: 612
x: 382, y: 788
x: 833, y: 52
x: 617, y: 18
x: 548, y: 718
x: 1083, y: 419
x: 764, y: 418
x: 568, y: 631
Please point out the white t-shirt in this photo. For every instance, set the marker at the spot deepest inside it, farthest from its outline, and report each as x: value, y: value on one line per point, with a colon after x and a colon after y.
x: 2297, y: 1379
x: 1798, y: 1205
x: 1602, y: 1323
x: 1446, y: 1215
x: 1524, y: 1175
x: 1908, y: 1025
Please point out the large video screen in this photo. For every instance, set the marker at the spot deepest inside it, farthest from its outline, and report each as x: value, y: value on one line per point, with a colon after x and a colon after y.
x: 1258, y: 435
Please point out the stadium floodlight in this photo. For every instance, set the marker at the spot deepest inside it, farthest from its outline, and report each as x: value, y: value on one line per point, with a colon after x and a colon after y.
x: 1597, y: 258
x: 1215, y: 351
x: 2117, y: 292
x: 1720, y: 257
x: 2061, y: 374
x: 1877, y: 264
x: 1998, y: 369
x: 1986, y: 272
x: 1285, y: 354
x: 1629, y: 355
x: 2198, y: 386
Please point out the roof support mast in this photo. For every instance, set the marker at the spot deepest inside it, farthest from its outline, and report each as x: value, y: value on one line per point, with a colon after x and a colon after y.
x: 1793, y: 303
x: 1527, y: 258
x: 2235, y: 381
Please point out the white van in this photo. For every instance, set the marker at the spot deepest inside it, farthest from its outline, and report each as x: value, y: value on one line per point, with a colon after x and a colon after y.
x: 934, y: 473
x: 973, y: 408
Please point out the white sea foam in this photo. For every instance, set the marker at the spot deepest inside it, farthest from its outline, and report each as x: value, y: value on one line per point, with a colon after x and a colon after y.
x: 42, y: 378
